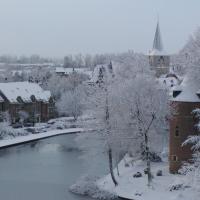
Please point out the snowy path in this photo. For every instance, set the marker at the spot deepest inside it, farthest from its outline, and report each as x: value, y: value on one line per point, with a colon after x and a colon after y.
x: 33, y: 137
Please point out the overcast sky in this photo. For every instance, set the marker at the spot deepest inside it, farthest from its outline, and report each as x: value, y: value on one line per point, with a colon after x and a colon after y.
x: 60, y: 27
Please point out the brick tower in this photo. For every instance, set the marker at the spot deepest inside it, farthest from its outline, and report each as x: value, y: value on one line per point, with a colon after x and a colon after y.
x: 186, y: 98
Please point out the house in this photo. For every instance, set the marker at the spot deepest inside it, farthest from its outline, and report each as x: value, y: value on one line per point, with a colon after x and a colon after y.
x: 169, y: 81
x: 159, y: 60
x: 27, y: 97
x: 61, y: 71
x: 186, y: 98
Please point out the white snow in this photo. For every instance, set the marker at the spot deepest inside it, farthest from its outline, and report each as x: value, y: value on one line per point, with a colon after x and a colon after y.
x: 189, y: 91
x: 137, y: 189
x: 155, y: 52
x: 32, y: 137
x: 25, y: 90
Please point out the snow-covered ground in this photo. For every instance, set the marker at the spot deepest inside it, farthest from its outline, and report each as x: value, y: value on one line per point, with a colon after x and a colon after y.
x: 137, y: 189
x: 32, y: 137
x: 58, y: 126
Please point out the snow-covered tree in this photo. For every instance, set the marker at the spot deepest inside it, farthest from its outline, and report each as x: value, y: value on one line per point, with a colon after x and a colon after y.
x: 192, y: 168
x: 71, y: 102
x: 145, y: 107
x: 129, y: 110
x: 189, y: 56
x: 59, y: 85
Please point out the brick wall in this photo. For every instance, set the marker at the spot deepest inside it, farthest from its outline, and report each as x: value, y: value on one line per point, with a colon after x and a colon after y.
x: 182, y: 125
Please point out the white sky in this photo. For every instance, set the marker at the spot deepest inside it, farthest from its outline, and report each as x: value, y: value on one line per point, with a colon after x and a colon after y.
x: 60, y: 27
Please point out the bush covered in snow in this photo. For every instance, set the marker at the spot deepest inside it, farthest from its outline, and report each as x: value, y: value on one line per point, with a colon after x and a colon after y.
x: 87, y: 186
x: 7, y: 131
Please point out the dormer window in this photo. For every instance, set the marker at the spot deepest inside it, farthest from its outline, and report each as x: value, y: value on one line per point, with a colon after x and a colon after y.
x: 176, y: 93
x: 33, y: 99
x: 198, y: 94
x: 20, y: 100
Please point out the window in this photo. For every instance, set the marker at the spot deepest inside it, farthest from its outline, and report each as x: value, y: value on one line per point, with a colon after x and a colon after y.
x: 176, y: 93
x: 174, y: 158
x: 177, y: 134
x: 161, y: 60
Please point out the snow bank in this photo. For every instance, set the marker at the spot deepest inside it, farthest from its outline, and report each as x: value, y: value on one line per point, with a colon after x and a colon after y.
x: 87, y: 186
x: 33, y: 137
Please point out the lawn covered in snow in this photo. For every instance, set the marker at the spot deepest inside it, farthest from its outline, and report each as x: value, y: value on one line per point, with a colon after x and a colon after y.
x: 163, y: 187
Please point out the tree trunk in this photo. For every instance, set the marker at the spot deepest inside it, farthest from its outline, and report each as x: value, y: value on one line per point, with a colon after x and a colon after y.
x: 111, y: 167
x: 147, y: 152
x: 118, y: 169
x: 148, y: 161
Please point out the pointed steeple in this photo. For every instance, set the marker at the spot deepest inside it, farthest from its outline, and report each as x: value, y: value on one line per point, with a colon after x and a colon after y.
x: 157, y: 42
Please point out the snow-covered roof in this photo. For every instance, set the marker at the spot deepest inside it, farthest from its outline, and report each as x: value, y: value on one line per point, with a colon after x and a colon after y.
x: 13, y: 90
x: 188, y: 91
x: 169, y: 81
x: 66, y: 71
x: 155, y: 52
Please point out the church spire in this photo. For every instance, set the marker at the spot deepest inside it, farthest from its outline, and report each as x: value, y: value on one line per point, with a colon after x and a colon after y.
x: 157, y: 42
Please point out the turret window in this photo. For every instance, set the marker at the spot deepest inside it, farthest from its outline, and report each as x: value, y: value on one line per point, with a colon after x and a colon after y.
x: 177, y: 134
x: 174, y: 158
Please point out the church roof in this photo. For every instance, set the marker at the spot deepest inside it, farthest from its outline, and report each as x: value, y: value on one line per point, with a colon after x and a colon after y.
x: 157, y: 43
x: 188, y: 91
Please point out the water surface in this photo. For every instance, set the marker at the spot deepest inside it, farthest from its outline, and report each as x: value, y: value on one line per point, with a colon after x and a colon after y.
x: 43, y: 170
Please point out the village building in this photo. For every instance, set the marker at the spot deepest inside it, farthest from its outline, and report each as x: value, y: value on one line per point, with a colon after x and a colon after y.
x: 62, y: 71
x: 169, y: 81
x: 30, y: 98
x: 185, y: 99
x: 158, y: 59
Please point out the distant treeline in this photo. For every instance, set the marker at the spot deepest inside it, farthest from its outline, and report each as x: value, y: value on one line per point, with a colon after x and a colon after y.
x: 33, y: 59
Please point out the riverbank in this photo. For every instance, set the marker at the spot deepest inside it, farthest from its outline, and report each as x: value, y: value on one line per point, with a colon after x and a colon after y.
x: 33, y: 137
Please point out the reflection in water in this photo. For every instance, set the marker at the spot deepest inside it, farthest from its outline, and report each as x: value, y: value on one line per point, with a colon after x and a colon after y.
x: 42, y: 170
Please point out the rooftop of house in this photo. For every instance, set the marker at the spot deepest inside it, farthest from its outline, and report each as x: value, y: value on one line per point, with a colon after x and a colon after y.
x: 188, y: 91
x: 25, y: 90
x: 169, y: 80
x: 67, y: 71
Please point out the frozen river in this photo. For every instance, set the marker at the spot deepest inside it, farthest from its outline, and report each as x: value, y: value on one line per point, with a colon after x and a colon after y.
x: 43, y: 170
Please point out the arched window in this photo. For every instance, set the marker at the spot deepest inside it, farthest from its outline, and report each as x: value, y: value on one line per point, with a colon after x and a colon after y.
x: 161, y: 60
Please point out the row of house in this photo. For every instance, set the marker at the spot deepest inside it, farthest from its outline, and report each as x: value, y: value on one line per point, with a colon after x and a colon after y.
x: 17, y: 97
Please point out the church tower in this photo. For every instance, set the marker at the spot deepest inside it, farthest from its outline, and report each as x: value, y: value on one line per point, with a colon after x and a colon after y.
x: 158, y: 59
